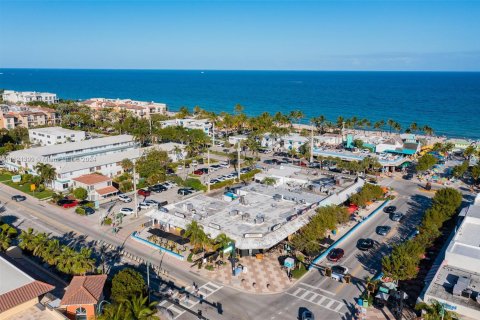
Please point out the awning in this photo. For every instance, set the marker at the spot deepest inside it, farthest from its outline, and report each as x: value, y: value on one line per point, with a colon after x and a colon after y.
x: 382, y: 296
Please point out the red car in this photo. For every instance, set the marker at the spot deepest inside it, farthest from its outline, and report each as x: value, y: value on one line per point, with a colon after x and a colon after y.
x: 70, y: 204
x: 144, y: 192
x: 336, y: 254
x: 198, y: 172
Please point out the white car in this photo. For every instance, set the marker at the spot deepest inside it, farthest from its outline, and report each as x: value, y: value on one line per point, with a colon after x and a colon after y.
x: 124, y: 198
x: 152, y: 202
x: 169, y: 184
x: 338, y: 272
x: 145, y: 205
x: 179, y: 167
x: 224, y: 164
x: 126, y: 211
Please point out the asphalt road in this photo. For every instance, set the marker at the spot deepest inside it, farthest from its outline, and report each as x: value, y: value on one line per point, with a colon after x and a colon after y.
x: 326, y: 298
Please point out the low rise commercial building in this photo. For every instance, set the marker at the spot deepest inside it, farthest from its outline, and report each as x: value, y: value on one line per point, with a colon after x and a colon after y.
x: 82, y: 296
x: 455, y: 281
x: 28, y: 96
x: 256, y: 216
x: 54, y: 135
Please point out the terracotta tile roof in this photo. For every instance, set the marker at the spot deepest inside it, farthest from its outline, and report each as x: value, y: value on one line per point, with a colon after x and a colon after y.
x: 23, y: 294
x: 106, y: 190
x: 84, y: 290
x: 92, y: 178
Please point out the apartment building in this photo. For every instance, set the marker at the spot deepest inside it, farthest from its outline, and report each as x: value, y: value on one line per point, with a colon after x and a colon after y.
x: 98, y: 186
x: 28, y: 96
x: 74, y: 159
x: 140, y: 109
x: 54, y: 135
x: 27, y: 117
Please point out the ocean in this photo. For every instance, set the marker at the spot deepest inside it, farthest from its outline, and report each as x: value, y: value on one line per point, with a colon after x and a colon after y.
x: 449, y: 102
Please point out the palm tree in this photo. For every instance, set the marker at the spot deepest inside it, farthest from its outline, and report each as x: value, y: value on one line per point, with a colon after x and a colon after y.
x: 46, y: 172
x: 83, y: 262
x: 27, y: 239
x: 296, y: 115
x: 319, y: 122
x: 194, y: 232
x: 51, y: 252
x: 141, y: 131
x: 221, y: 242
x: 137, y: 308
x: 113, y: 312
x: 238, y: 108
x: 434, y: 311
x: 4, y: 241
x: 391, y: 124
x: 126, y: 164
x: 66, y: 260
x: 378, y: 125
x: 428, y: 130
x: 39, y: 243
x: 414, y: 127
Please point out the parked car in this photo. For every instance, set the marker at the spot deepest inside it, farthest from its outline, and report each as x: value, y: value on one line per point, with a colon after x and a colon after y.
x: 224, y: 164
x: 126, y: 211
x: 152, y: 202
x: 365, y: 244
x: 198, y: 172
x: 336, y: 254
x: 61, y: 202
x: 124, y: 198
x: 307, y: 315
x: 88, y: 210
x: 213, y: 181
x: 19, y: 198
x: 390, y: 209
x: 145, y: 205
x: 184, y: 191
x: 144, y: 192
x: 408, y: 176
x: 169, y: 184
x: 383, y: 230
x: 397, y: 216
x: 158, y: 188
x: 170, y: 171
x: 70, y: 204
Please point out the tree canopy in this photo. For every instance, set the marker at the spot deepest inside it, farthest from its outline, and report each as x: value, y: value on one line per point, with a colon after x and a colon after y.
x: 126, y: 284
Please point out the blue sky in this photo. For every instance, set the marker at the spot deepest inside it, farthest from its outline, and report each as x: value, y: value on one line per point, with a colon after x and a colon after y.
x: 283, y: 35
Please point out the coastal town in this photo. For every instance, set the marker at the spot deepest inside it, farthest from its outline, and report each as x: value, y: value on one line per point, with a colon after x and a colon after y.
x: 116, y: 206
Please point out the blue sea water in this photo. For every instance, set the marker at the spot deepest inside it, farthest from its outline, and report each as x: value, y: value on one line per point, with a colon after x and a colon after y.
x: 449, y: 102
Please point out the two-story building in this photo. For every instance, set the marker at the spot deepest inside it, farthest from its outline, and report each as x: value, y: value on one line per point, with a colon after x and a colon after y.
x: 140, y: 109
x: 98, y: 186
x: 54, y: 135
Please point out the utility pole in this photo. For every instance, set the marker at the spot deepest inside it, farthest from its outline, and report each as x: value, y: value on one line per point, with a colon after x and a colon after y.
x: 148, y: 280
x: 208, y: 166
x: 213, y: 133
x: 238, y: 159
x: 311, y: 142
x: 135, y: 187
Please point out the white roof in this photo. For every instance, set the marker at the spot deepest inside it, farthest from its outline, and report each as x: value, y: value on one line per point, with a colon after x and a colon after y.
x: 71, y: 146
x: 54, y: 130
x: 12, y: 277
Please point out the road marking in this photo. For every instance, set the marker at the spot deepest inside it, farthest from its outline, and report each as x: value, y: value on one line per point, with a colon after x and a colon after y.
x: 317, y: 288
x: 329, y: 301
x: 175, y: 309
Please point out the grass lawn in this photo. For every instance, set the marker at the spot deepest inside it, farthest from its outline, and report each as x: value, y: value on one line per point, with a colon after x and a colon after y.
x: 5, y: 176
x: 298, y: 273
x: 26, y: 189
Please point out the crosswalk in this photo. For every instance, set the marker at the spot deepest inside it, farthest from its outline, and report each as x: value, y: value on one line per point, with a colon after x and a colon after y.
x: 318, y: 299
x: 189, y: 301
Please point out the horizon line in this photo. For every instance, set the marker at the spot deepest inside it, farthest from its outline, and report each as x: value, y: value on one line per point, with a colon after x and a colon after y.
x: 245, y: 70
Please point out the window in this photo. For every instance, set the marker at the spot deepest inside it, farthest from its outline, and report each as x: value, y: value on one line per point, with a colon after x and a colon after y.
x: 80, y: 314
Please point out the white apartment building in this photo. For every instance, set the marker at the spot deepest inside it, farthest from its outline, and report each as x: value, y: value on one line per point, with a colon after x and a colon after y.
x: 455, y: 281
x: 71, y: 160
x: 28, y: 96
x: 54, y: 135
x: 200, y: 124
x: 285, y: 143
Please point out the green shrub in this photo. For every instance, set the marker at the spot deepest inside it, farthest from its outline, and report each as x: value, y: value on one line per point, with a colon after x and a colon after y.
x: 80, y: 193
x: 222, y: 184
x: 194, y: 183
x: 107, y: 221
x: 80, y: 211
x: 189, y: 258
x: 26, y: 178
x: 209, y: 267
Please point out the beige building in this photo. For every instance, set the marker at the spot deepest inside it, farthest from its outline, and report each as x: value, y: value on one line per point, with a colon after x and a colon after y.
x: 98, y: 186
x: 27, y: 117
x: 28, y: 96
x: 140, y: 109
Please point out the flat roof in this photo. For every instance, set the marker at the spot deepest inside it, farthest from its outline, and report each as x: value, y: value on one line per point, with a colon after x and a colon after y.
x: 71, y: 146
x: 442, y: 285
x: 12, y: 277
x: 55, y: 130
x: 255, y: 221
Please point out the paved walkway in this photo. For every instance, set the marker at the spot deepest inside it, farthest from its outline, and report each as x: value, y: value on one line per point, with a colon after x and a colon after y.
x: 259, y: 276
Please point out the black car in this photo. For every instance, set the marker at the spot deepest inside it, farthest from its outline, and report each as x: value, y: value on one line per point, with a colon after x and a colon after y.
x: 408, y: 176
x: 88, y: 210
x: 365, y: 244
x: 158, y: 188
x: 390, y: 209
x: 19, y: 198
x: 62, y: 202
x: 184, y: 191
x: 383, y: 230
